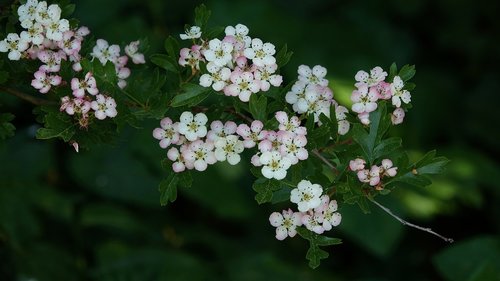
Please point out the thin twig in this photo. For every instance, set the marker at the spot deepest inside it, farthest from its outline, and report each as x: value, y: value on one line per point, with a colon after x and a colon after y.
x: 322, y: 158
x: 242, y: 116
x: 428, y: 230
x: 28, y: 98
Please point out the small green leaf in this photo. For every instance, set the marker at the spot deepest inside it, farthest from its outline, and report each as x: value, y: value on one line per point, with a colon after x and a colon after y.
x: 201, y: 15
x: 172, y: 47
x: 386, y: 147
x: 315, y: 254
x: 68, y: 10
x: 265, y: 189
x: 168, y: 189
x: 163, y: 61
x: 258, y: 107
x: 57, y: 125
x: 393, y: 71
x: 192, y: 95
x: 283, y: 56
x: 6, y: 128
x: 407, y: 72
x: 185, y: 179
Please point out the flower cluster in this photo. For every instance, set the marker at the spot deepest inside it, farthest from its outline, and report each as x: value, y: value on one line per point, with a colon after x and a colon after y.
x: 372, y: 87
x: 374, y: 175
x: 311, y: 95
x: 196, y: 147
x: 50, y: 39
x: 317, y: 213
x: 104, y: 53
x: 237, y: 65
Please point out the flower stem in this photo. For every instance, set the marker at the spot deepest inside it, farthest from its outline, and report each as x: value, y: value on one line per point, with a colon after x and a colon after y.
x: 27, y: 97
x: 428, y: 230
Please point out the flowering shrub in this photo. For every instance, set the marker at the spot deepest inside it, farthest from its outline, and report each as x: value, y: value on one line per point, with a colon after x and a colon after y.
x: 217, y: 96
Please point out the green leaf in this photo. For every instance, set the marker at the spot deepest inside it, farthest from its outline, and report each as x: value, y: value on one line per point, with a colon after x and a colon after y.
x: 192, y: 95
x: 265, y: 189
x: 57, y: 125
x: 315, y: 254
x: 185, y: 179
x: 407, y: 72
x: 366, y: 140
x: 258, y: 107
x: 172, y: 47
x: 6, y: 128
x: 283, y: 56
x: 386, y: 147
x: 163, y: 61
x: 68, y: 10
x: 393, y: 71
x: 168, y: 189
x: 201, y: 15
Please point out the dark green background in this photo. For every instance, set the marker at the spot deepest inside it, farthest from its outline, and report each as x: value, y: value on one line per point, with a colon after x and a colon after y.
x: 96, y: 215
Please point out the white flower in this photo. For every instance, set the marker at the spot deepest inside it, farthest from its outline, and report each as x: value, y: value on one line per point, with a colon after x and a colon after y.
x: 243, y: 85
x: 229, y: 148
x: 343, y: 124
x: 364, y: 100
x: 132, y: 51
x: 376, y: 75
x: 27, y: 12
x: 240, y: 32
x: 398, y: 93
x: 192, y: 33
x: 34, y: 34
x: 293, y: 147
x: 193, y: 127
x: 217, y: 77
x: 397, y: 116
x: 219, y: 130
x: 388, y: 169
x: 260, y: 53
x: 104, y: 107
x: 103, y: 52
x: 274, y: 166
x: 219, y: 52
x: 56, y: 28
x: 265, y: 75
x: 314, y: 76
x: 306, y: 195
x: 286, y: 223
x: 14, y: 45
x: 201, y: 154
x: 328, y: 211
x: 312, y: 221
x: 290, y: 125
x: 167, y: 134
x: 42, y: 16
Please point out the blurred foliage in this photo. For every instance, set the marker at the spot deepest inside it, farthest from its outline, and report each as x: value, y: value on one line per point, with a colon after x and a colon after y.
x: 97, y: 216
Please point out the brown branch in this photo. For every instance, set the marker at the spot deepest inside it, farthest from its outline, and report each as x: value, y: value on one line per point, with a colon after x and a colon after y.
x: 322, y: 158
x: 28, y: 98
x: 428, y: 230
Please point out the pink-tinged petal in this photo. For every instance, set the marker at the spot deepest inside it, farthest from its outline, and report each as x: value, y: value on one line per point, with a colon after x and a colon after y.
x: 281, y: 233
x: 159, y: 133
x: 245, y: 96
x: 79, y: 93
x: 99, y: 114
x: 276, y: 219
x: 200, y: 165
x: 231, y: 90
x: 178, y: 167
